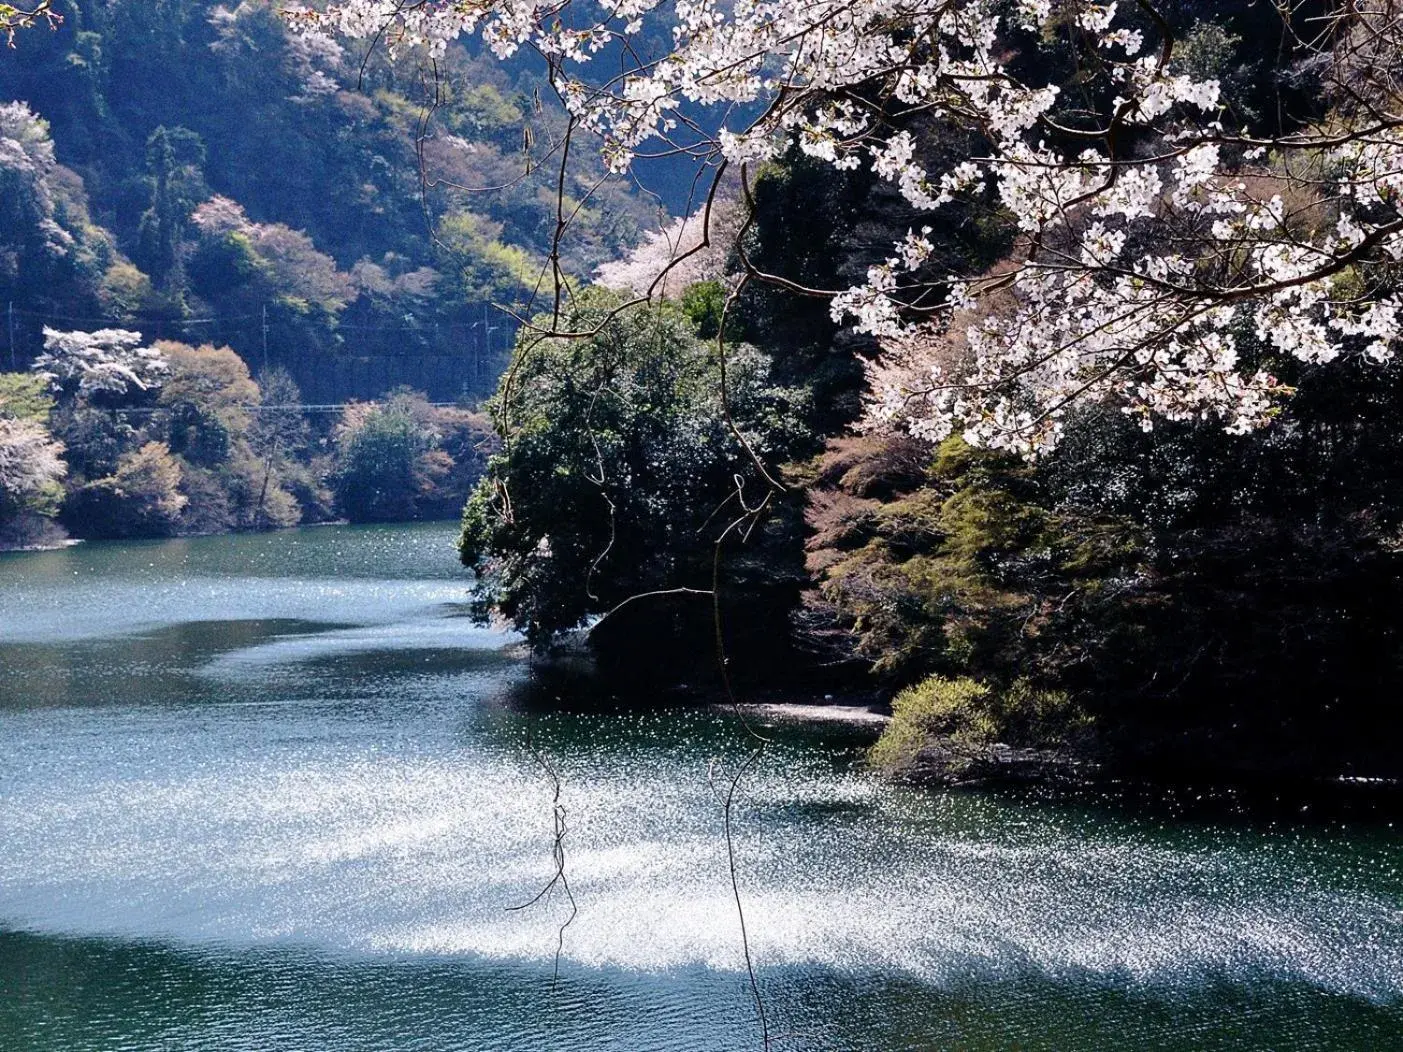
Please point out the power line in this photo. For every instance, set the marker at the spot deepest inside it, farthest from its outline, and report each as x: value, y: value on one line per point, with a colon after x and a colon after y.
x: 110, y: 322
x: 326, y: 407
x: 334, y: 406
x: 178, y: 323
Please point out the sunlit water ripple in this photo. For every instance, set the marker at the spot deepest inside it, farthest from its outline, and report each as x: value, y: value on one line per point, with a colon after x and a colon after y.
x: 341, y: 779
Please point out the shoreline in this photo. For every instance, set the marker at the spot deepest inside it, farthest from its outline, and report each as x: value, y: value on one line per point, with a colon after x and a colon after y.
x: 52, y: 546
x: 945, y: 764
x: 816, y: 712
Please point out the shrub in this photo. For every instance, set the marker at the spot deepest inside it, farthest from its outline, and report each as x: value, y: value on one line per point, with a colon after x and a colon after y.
x: 142, y: 499
x: 381, y: 472
x: 916, y: 713
x: 972, y: 714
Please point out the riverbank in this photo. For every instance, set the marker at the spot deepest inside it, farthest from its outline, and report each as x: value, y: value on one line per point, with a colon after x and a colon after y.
x: 60, y: 539
x: 567, y: 678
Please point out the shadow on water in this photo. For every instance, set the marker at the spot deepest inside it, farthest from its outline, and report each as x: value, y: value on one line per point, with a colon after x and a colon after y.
x: 160, y: 665
x: 1264, y: 806
x: 95, y: 995
x: 208, y: 662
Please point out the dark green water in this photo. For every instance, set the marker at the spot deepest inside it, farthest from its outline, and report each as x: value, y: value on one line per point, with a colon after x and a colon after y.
x: 273, y: 793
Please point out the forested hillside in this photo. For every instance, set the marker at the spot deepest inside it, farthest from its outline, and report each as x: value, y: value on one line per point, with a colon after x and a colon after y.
x: 193, y: 171
x: 282, y: 222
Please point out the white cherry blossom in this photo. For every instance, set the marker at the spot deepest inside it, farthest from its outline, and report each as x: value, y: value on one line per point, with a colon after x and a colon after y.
x: 1138, y: 273
x: 108, y: 360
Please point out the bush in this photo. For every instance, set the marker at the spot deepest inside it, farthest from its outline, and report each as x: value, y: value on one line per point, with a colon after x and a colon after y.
x: 142, y: 499
x: 916, y: 714
x: 306, y: 482
x: 972, y: 714
x: 207, y: 508
x: 383, y: 467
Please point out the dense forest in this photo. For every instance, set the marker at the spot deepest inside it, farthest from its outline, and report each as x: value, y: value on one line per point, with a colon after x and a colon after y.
x: 281, y: 224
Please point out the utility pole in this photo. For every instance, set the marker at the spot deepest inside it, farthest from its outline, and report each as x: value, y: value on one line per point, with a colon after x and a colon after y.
x: 486, y: 354
x: 265, y: 337
x: 14, y: 367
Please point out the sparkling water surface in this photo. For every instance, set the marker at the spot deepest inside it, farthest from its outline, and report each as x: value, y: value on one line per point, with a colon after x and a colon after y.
x: 275, y: 792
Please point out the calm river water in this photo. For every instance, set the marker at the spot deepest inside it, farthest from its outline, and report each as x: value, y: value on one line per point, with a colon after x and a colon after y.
x: 273, y: 792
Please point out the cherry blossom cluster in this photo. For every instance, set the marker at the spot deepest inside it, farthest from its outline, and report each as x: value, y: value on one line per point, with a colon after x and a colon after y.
x: 28, y: 167
x: 1160, y: 275
x: 108, y: 360
x: 30, y: 459
x: 688, y: 250
x: 314, y: 59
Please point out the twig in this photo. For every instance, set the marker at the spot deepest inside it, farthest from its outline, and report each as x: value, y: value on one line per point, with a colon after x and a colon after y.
x: 557, y: 854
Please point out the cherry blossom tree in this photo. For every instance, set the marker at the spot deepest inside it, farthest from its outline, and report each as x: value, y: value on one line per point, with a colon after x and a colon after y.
x: 1158, y: 245
x: 31, y: 461
x: 27, y: 177
x: 108, y: 360
x: 688, y: 250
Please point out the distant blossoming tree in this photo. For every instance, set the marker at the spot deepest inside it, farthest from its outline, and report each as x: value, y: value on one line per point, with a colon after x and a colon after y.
x: 108, y: 360
x: 27, y: 169
x: 1156, y: 241
x: 285, y: 263
x: 31, y: 462
x: 688, y: 250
